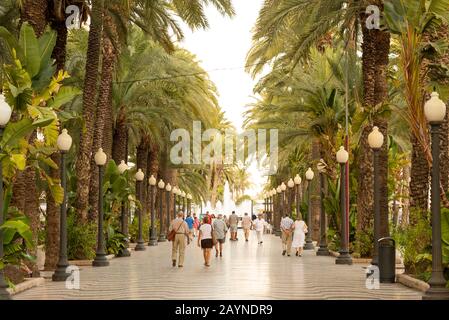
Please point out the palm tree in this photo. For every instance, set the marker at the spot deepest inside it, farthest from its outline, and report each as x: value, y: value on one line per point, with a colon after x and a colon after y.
x: 411, y: 21
x: 156, y: 18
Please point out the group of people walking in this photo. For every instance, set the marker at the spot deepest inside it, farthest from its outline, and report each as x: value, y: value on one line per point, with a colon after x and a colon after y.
x: 211, y: 232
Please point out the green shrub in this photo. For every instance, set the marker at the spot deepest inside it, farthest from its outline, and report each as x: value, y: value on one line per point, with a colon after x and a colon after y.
x: 81, y: 239
x: 134, y: 228
x: 414, y: 242
x: 115, y: 241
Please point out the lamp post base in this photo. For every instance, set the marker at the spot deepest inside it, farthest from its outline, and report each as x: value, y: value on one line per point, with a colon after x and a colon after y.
x: 309, y: 245
x: 124, y: 253
x: 439, y: 292
x: 140, y: 246
x: 162, y: 238
x: 100, y: 261
x: 323, y: 251
x: 60, y: 273
x: 344, y: 258
x: 152, y: 242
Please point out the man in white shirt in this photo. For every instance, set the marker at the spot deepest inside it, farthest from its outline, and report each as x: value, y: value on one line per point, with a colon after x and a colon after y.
x: 287, y: 234
x: 259, y: 224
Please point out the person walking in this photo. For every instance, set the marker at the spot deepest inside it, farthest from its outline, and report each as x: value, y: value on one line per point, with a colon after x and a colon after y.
x: 259, y: 224
x: 189, y: 221
x: 196, y: 225
x: 287, y: 230
x: 247, y: 223
x: 179, y: 241
x: 205, y: 240
x: 219, y: 228
x: 299, y: 231
x: 233, y: 224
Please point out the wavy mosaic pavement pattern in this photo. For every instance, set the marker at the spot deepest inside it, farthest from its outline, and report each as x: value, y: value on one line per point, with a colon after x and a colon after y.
x: 247, y: 272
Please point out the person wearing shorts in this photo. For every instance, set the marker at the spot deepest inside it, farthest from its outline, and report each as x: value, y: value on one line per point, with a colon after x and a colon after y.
x: 233, y: 223
x: 247, y: 224
x: 205, y: 240
x: 219, y: 228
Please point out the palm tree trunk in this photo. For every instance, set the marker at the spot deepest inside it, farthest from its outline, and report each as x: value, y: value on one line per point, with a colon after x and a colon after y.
x: 120, y: 140
x: 52, y: 217
x: 89, y: 109
x: 142, y: 163
x: 103, y: 109
x: 35, y: 13
x: 376, y: 49
x: 315, y: 194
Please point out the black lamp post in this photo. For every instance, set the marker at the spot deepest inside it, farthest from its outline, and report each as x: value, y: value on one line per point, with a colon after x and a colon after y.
x: 64, y: 144
x: 375, y: 141
x: 5, y: 116
x: 279, y: 213
x: 344, y: 257
x: 122, y: 167
x: 168, y: 189
x: 175, y: 195
x: 435, y: 111
x: 153, y: 232
x: 183, y: 195
x: 309, y: 242
x: 323, y: 250
x: 189, y: 203
x: 100, y: 256
x: 161, y: 186
x: 291, y: 194
x: 297, y: 181
x: 139, y: 179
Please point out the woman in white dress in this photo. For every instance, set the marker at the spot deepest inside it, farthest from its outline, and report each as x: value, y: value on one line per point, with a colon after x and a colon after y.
x: 300, y: 229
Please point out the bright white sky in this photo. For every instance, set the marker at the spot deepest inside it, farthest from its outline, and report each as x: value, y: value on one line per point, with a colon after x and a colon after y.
x: 224, y: 46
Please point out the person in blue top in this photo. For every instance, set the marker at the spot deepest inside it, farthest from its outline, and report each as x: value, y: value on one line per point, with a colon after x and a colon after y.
x: 189, y: 221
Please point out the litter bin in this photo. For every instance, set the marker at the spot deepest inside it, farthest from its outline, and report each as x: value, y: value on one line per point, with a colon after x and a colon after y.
x: 387, y: 260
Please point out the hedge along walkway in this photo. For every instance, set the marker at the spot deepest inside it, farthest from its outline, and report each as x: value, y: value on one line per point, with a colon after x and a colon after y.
x: 247, y: 271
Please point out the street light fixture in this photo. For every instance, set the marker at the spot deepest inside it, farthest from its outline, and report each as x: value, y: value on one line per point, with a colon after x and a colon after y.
x: 435, y: 112
x: 161, y: 186
x: 189, y: 203
x: 290, y: 185
x: 122, y: 168
x: 375, y: 141
x: 323, y: 250
x: 140, y: 176
x: 297, y: 181
x: 344, y: 257
x: 279, y: 214
x: 64, y: 143
x: 309, y: 242
x: 153, y: 233
x: 168, y: 189
x: 100, y: 256
x: 5, y: 116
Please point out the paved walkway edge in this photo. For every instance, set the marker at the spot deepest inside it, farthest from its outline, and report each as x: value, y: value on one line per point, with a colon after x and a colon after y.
x: 27, y: 284
x: 411, y: 282
x: 87, y: 263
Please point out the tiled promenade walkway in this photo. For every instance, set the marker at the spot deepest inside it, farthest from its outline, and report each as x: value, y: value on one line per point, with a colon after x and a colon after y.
x: 247, y: 271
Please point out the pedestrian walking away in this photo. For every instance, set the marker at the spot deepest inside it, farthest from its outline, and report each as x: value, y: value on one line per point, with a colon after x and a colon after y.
x: 259, y: 224
x: 179, y: 226
x: 247, y: 223
x: 287, y: 230
x: 196, y: 225
x: 299, y: 231
x: 219, y: 228
x: 205, y: 240
x: 233, y: 224
x: 189, y: 221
